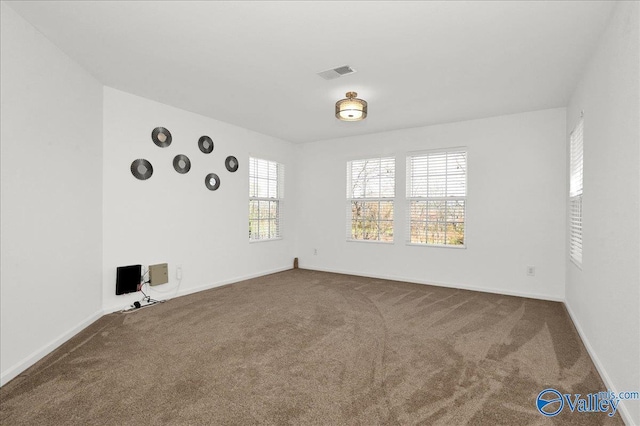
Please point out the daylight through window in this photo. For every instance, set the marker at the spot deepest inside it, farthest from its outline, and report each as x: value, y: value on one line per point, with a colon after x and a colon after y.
x: 266, y: 184
x: 575, y: 193
x: 370, y: 197
x: 436, y: 197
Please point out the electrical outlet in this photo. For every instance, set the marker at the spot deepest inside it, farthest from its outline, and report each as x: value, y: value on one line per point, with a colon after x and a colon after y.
x: 315, y: 252
x: 179, y: 272
x: 531, y: 271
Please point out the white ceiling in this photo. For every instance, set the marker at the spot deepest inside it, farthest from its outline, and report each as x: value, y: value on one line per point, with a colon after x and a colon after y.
x: 254, y: 64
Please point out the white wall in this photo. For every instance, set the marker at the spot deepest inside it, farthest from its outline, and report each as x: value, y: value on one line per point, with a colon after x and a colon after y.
x: 174, y: 218
x: 515, y: 211
x: 51, y: 149
x: 604, y: 297
x: 71, y: 212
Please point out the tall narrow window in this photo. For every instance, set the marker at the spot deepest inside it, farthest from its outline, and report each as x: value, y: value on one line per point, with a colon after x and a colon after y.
x: 370, y: 195
x: 266, y: 191
x: 437, y: 197
x: 575, y: 193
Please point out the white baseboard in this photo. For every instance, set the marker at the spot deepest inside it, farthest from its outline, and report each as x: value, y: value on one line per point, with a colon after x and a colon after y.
x: 442, y: 284
x: 624, y: 413
x: 231, y: 281
x: 17, y: 369
x: 14, y: 371
x: 170, y: 295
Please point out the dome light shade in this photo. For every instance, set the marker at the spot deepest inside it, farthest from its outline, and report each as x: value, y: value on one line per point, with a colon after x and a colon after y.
x: 351, y: 108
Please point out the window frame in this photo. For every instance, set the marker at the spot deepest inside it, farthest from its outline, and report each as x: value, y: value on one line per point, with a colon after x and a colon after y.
x: 576, y: 192
x: 410, y: 199
x: 380, y: 199
x: 278, y: 199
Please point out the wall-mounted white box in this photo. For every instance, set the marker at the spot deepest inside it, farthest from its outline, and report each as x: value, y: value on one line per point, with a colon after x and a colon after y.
x: 158, y: 274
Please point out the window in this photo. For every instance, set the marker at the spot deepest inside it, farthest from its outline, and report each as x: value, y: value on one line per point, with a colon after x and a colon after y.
x: 370, y: 194
x: 436, y: 197
x: 266, y: 188
x: 575, y: 193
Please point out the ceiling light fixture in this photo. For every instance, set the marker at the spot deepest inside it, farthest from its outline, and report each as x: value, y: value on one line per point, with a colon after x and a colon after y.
x: 351, y: 108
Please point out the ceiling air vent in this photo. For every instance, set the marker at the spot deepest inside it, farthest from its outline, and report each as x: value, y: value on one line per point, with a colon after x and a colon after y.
x: 336, y: 72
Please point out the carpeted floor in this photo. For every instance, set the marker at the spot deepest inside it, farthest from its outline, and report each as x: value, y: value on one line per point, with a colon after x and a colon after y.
x: 305, y: 347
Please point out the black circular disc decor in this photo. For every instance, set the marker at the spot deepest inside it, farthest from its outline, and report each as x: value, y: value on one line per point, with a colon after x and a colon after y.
x: 141, y: 169
x: 212, y: 181
x: 231, y: 163
x: 205, y: 144
x: 181, y: 163
x: 161, y: 137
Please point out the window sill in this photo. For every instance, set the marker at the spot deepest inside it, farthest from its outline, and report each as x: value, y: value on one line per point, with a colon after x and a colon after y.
x: 576, y: 263
x: 265, y: 240
x: 446, y: 246
x: 370, y: 241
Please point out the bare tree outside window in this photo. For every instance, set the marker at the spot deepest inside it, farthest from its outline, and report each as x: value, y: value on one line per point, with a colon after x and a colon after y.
x: 436, y: 194
x: 370, y: 198
x: 266, y: 183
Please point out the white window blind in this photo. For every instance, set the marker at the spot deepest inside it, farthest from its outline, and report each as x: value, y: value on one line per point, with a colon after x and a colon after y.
x: 575, y: 192
x: 266, y: 193
x: 436, y: 197
x: 370, y: 196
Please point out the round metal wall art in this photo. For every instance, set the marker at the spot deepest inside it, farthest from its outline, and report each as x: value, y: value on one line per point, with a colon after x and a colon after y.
x: 141, y: 169
x: 212, y: 181
x: 205, y: 144
x: 231, y: 163
x: 181, y: 163
x: 161, y: 137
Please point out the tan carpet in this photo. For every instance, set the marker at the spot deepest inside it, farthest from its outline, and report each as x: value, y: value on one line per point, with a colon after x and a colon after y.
x: 305, y: 347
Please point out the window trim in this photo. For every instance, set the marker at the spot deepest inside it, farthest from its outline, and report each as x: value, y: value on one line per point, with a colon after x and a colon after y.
x: 409, y: 198
x: 265, y: 240
x: 578, y: 196
x: 280, y: 173
x: 350, y: 199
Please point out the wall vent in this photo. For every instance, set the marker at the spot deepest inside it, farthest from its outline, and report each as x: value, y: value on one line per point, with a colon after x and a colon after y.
x: 336, y: 72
